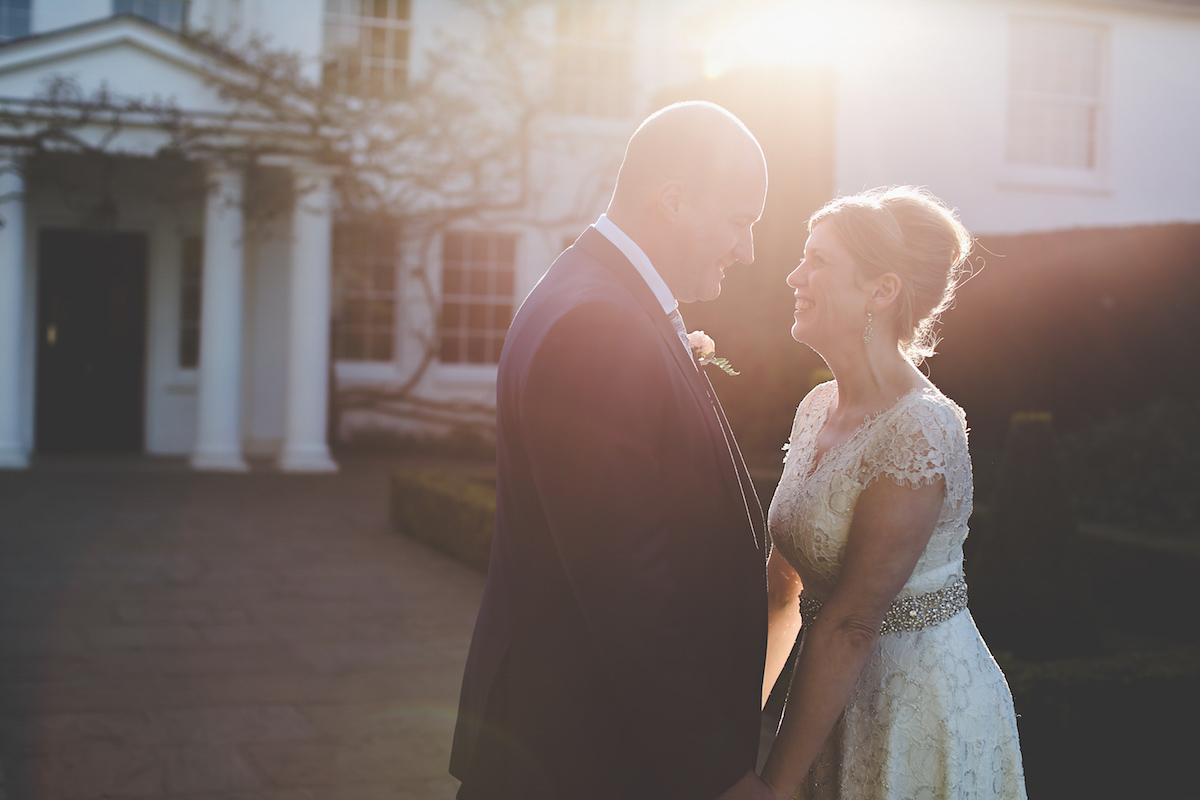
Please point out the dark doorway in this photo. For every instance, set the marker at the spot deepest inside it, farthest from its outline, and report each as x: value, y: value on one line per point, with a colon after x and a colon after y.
x: 91, y: 341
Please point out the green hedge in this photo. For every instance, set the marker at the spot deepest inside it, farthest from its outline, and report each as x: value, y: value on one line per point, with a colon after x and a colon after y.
x: 451, y: 512
x: 1140, y: 469
x: 1030, y: 591
x: 1108, y: 726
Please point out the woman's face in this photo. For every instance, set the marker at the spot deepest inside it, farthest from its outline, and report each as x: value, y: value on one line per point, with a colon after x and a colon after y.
x: 831, y: 297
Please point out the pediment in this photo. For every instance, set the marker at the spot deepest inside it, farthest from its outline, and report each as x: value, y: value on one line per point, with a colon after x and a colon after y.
x: 131, y: 57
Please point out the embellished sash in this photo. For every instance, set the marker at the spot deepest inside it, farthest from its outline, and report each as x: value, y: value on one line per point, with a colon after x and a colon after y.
x: 908, y: 614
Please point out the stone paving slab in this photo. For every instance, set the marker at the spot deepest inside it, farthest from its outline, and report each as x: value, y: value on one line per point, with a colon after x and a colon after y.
x: 169, y: 634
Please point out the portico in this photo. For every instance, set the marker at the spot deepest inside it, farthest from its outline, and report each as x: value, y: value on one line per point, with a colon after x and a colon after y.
x: 257, y: 383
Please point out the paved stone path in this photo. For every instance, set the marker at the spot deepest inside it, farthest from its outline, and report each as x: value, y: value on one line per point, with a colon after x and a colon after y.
x: 168, y: 634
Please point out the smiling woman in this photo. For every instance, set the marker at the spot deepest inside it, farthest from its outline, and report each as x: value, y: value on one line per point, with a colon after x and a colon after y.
x: 899, y: 693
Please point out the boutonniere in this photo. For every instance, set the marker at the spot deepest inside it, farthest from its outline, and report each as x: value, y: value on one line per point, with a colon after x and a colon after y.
x: 706, y: 352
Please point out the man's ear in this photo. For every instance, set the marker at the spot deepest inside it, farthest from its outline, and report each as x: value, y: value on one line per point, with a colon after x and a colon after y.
x: 671, y: 199
x: 886, y: 290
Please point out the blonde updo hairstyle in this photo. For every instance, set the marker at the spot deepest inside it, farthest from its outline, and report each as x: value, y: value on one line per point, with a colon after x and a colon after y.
x: 907, y: 231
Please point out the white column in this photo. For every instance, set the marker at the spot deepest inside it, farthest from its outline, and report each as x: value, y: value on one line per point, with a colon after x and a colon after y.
x: 304, y: 447
x: 219, y: 406
x: 13, y: 453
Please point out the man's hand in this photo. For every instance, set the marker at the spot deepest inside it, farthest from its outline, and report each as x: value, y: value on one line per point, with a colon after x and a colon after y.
x: 750, y: 787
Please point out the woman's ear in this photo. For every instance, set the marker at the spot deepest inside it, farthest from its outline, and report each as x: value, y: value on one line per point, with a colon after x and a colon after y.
x: 886, y: 291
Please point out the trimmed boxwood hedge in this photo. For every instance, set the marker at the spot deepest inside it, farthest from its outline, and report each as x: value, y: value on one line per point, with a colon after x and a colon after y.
x: 1139, y: 470
x: 1113, y: 726
x: 1025, y: 564
x: 451, y: 512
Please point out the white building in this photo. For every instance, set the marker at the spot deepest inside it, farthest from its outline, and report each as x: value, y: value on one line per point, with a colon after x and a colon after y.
x: 1031, y: 116
x: 145, y: 306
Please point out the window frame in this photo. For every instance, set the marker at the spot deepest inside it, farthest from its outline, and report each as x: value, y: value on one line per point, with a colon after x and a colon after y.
x: 502, y: 248
x: 345, y: 266
x: 7, y: 13
x: 1019, y: 174
x: 369, y: 29
x: 591, y: 92
x: 184, y: 9
x: 191, y: 280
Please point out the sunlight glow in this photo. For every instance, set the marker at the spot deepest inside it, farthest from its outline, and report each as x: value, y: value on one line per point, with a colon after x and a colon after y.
x: 812, y: 33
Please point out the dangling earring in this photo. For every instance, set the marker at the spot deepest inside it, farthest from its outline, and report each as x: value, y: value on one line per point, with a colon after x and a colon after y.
x: 868, y: 331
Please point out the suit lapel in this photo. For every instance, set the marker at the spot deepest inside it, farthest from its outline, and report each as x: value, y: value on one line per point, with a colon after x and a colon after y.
x: 749, y: 495
x: 732, y: 468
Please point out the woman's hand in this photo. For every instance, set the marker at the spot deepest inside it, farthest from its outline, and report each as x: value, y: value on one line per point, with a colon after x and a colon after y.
x: 888, y: 533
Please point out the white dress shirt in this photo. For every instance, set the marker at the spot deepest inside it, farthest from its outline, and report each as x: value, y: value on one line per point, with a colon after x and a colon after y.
x: 640, y: 261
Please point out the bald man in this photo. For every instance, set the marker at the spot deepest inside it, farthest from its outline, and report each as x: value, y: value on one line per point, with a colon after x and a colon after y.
x: 619, y: 648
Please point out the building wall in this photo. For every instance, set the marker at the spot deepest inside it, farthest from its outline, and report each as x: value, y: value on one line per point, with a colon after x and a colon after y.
x: 170, y: 389
x: 924, y: 101
x: 140, y: 187
x: 921, y: 97
x: 571, y: 177
x: 125, y: 68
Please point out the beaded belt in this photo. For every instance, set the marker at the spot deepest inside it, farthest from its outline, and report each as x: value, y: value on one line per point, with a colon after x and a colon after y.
x: 909, y: 613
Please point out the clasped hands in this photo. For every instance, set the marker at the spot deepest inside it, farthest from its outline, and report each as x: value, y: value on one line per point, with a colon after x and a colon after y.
x: 750, y: 787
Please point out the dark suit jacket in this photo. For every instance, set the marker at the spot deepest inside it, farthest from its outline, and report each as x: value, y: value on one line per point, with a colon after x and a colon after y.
x: 619, y: 648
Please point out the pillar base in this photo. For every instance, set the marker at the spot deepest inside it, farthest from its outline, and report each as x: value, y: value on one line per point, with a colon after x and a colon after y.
x: 307, y: 460
x: 219, y: 461
x: 13, y: 458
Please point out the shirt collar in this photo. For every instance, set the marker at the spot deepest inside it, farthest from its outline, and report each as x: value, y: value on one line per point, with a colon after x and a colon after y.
x: 640, y: 261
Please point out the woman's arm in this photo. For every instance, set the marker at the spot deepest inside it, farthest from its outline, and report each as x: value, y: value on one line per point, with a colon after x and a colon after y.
x: 890, y: 529
x: 783, y: 617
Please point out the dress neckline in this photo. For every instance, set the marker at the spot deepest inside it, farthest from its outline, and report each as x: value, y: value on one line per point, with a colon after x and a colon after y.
x: 817, y: 460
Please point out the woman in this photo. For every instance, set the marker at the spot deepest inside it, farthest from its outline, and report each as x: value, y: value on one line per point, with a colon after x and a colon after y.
x: 894, y: 694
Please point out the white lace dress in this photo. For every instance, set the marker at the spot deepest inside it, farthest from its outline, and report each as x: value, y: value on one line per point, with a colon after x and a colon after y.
x: 931, y: 716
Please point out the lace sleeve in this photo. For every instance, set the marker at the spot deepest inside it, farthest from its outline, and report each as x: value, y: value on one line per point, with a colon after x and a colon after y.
x: 923, y: 441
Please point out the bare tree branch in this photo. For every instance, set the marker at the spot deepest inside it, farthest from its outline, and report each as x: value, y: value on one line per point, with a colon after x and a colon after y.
x: 458, y: 143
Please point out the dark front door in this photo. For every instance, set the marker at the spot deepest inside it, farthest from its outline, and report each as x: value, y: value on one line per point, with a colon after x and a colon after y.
x: 91, y: 341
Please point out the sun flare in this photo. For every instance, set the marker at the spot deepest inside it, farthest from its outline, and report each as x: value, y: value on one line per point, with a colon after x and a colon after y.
x: 810, y: 33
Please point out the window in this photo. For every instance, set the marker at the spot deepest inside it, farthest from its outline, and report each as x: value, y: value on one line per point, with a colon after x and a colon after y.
x: 364, y: 266
x: 477, y: 296
x: 1056, y: 101
x: 592, y: 58
x: 366, y: 46
x: 170, y: 14
x: 191, y: 287
x: 14, y: 19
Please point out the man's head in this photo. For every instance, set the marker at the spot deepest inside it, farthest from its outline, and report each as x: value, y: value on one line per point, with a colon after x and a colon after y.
x: 692, y: 185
